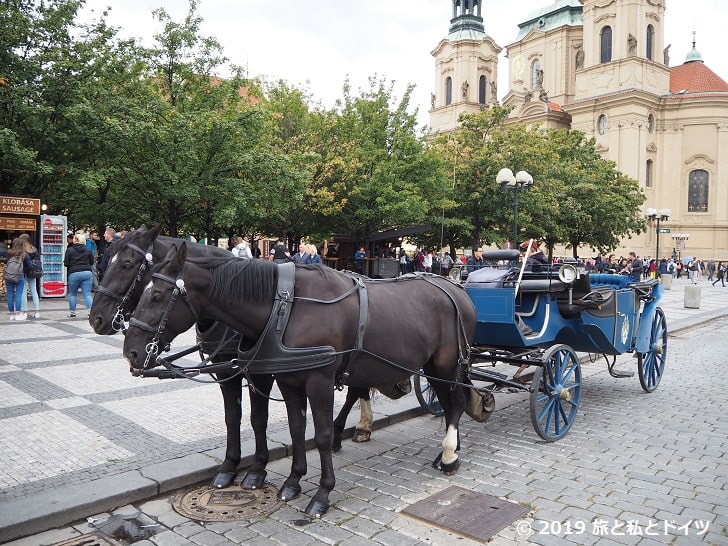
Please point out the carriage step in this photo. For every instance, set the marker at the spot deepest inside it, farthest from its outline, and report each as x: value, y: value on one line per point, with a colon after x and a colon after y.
x: 486, y: 375
x: 620, y: 373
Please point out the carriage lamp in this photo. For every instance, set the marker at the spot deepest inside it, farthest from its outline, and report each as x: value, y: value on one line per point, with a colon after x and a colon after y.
x: 654, y: 215
x: 522, y: 181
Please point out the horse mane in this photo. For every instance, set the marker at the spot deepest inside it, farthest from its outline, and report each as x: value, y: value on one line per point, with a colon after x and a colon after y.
x: 253, y: 281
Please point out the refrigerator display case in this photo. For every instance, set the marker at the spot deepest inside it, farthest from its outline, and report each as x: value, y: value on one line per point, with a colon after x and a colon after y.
x: 52, y: 250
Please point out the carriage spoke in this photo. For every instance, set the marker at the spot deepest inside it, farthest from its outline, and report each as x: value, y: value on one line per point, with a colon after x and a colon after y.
x: 555, y: 402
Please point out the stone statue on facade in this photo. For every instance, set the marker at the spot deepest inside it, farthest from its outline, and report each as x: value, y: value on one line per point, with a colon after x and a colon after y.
x: 464, y: 89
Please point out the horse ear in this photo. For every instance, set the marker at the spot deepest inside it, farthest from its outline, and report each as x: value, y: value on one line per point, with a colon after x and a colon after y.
x: 156, y: 230
x: 181, y: 254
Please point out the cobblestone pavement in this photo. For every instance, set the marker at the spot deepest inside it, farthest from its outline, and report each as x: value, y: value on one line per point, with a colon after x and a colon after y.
x: 81, y: 437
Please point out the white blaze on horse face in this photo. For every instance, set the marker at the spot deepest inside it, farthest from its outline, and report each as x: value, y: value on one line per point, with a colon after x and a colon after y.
x: 113, y: 258
x: 148, y: 286
x: 449, y: 445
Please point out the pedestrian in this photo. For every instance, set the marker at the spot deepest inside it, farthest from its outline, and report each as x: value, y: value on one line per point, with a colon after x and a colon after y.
x: 313, y: 256
x: 279, y: 252
x: 110, y: 237
x: 720, y: 272
x: 241, y: 248
x: 446, y: 264
x: 427, y: 261
x: 302, y: 256
x: 359, y: 257
x: 679, y: 268
x: 17, y: 265
x: 711, y: 269
x: 404, y: 261
x: 475, y: 261
x: 78, y: 261
x: 32, y: 276
x: 693, y: 271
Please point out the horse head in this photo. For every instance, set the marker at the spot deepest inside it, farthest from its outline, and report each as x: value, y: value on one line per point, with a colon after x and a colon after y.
x: 123, y: 281
x: 164, y: 310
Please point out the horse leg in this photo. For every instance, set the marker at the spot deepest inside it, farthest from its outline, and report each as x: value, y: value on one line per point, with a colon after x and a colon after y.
x: 453, y: 404
x: 321, y: 399
x: 228, y: 470
x: 296, y: 409
x: 363, y: 430
x: 259, y: 399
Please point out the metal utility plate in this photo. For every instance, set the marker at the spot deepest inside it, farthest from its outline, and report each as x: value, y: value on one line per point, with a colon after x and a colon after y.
x: 468, y: 513
x: 206, y: 503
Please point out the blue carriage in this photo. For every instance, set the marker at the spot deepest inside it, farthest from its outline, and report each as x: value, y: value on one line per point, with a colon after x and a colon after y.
x: 542, y: 319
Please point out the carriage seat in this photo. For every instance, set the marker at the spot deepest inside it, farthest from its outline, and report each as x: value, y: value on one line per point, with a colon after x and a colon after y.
x: 608, y: 279
x: 586, y: 297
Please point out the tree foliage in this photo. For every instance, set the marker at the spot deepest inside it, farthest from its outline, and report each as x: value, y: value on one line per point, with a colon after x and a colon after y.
x: 109, y: 132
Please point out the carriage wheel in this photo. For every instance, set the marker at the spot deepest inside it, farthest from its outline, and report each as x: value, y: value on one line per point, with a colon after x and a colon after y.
x: 651, y: 364
x: 557, y: 389
x: 427, y: 396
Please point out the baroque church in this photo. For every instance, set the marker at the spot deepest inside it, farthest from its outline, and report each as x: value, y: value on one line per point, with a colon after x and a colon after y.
x: 602, y: 67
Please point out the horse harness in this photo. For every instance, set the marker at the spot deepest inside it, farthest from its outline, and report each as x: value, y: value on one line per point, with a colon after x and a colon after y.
x: 117, y: 323
x: 268, y: 355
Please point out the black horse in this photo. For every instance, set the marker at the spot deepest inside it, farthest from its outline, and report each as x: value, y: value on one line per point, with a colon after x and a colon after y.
x: 129, y: 271
x: 332, y: 329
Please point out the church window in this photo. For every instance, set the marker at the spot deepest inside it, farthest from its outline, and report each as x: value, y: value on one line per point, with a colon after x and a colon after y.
x: 482, y: 89
x: 606, y: 45
x: 448, y: 90
x: 648, y: 173
x: 698, y: 190
x: 650, y: 41
x: 602, y: 124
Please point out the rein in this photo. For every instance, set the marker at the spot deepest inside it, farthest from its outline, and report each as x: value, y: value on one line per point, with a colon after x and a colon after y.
x: 153, y: 347
x: 118, y: 322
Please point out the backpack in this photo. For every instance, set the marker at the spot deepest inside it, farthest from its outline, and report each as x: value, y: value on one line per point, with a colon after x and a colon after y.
x: 37, y: 271
x: 13, y: 270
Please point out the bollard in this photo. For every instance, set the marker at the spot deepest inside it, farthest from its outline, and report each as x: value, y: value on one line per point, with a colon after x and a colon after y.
x: 666, y: 280
x: 692, y: 296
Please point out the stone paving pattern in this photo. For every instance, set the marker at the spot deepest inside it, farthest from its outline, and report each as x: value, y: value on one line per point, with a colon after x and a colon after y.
x: 76, y: 424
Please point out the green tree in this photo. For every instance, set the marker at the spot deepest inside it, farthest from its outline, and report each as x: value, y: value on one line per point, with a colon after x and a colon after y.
x: 378, y: 171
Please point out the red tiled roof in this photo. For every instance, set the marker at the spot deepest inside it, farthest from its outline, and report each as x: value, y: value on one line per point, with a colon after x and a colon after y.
x: 695, y: 77
x: 554, y: 107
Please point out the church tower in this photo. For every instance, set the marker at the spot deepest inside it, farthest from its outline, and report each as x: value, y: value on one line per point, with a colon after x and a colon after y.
x: 466, y: 67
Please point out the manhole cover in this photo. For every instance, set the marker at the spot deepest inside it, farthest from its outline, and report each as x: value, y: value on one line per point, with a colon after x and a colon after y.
x: 207, y: 503
x: 91, y: 539
x: 466, y: 512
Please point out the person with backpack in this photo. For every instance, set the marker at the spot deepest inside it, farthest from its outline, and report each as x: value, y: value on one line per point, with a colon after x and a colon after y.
x: 18, y: 262
x: 32, y: 276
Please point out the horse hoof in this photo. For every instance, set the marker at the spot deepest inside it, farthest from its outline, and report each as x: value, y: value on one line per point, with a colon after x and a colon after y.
x: 450, y: 469
x: 289, y: 492
x: 253, y: 480
x: 436, y: 462
x: 222, y: 480
x: 316, y: 509
x: 361, y: 436
x: 336, y: 447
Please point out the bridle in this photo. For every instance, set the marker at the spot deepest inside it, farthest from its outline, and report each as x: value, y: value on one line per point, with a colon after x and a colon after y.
x: 118, y: 323
x: 153, y: 347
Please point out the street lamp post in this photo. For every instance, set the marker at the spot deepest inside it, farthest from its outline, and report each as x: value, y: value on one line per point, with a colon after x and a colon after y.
x: 653, y: 215
x: 522, y: 181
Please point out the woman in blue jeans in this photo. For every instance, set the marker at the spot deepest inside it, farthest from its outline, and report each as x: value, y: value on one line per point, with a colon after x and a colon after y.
x: 78, y: 260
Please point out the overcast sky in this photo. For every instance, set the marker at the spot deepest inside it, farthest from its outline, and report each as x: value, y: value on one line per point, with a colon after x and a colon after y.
x: 317, y: 43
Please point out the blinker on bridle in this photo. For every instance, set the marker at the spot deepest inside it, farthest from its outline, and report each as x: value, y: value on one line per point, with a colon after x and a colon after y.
x: 119, y: 320
x: 153, y: 348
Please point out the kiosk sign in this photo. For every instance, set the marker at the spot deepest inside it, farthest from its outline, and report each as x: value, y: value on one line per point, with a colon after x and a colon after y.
x: 19, y: 205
